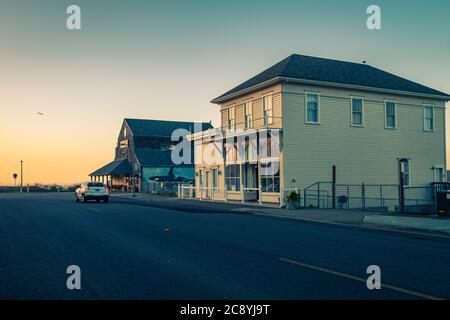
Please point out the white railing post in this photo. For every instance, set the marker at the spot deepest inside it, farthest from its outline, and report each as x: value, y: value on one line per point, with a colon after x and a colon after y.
x: 259, y: 181
x: 241, y: 175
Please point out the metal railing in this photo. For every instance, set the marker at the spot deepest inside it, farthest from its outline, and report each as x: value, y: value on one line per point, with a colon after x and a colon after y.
x: 371, y: 197
x: 186, y: 192
x: 159, y: 187
x: 245, y: 195
x: 440, y: 186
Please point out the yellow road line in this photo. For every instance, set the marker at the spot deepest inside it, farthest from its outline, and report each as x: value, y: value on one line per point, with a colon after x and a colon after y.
x: 349, y: 276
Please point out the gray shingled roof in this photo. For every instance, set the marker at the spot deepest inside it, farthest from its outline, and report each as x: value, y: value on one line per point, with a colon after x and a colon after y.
x: 114, y: 167
x: 160, y: 128
x: 334, y: 71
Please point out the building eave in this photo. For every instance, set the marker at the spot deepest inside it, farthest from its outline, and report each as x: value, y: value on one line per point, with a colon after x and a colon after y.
x: 275, y: 80
x: 237, y: 94
x: 365, y: 88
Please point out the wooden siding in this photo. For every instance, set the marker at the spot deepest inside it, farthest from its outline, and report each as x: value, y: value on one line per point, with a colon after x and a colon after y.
x: 362, y: 154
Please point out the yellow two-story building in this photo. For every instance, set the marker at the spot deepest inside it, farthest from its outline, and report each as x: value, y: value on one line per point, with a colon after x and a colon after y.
x: 289, y: 125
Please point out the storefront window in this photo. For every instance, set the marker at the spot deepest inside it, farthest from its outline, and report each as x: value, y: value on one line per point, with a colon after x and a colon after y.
x: 233, y: 177
x: 270, y: 176
x: 215, y: 178
x: 250, y: 175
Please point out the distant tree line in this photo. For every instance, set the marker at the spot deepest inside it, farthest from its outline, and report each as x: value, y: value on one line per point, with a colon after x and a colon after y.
x: 39, y: 187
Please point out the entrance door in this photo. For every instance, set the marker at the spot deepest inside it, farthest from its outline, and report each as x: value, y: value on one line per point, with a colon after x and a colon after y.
x: 207, y: 183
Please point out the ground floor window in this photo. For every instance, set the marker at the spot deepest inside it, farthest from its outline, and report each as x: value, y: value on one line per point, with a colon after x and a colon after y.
x: 270, y: 176
x: 250, y: 175
x: 439, y: 175
x: 215, y: 178
x: 200, y: 178
x: 233, y: 177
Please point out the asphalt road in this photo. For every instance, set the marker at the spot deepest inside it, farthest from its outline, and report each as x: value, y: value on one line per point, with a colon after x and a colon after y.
x: 130, y: 251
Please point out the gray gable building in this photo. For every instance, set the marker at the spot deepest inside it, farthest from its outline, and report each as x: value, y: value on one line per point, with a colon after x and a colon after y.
x: 146, y: 146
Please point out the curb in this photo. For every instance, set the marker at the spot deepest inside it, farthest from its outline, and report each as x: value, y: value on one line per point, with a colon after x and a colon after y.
x: 417, y: 224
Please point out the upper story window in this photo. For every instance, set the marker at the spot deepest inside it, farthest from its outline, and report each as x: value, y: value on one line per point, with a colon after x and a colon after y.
x: 357, y: 112
x: 231, y: 119
x: 428, y: 118
x: 390, y: 115
x: 268, y: 109
x: 312, y: 108
x: 248, y: 112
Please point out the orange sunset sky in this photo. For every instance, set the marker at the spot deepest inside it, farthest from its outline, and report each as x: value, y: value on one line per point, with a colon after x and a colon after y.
x: 167, y: 60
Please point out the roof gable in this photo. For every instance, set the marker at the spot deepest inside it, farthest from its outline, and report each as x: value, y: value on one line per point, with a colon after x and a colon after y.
x: 333, y: 71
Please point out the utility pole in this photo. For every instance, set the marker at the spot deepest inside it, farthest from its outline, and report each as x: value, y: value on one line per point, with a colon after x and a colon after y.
x: 134, y: 179
x: 401, y: 183
x: 333, y: 186
x: 21, y: 175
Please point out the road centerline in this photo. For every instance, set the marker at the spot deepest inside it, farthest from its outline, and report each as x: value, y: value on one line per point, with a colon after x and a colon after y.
x: 349, y: 276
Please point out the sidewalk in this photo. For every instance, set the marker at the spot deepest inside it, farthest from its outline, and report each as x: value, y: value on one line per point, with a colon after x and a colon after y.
x: 389, y: 221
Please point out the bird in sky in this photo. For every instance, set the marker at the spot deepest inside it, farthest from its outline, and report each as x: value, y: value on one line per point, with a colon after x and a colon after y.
x: 40, y: 113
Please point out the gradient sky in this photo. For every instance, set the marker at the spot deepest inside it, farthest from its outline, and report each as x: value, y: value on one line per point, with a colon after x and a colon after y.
x: 168, y: 59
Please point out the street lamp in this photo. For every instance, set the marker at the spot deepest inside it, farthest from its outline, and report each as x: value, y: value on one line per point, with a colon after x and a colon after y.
x: 134, y: 178
x: 21, y: 175
x: 15, y: 178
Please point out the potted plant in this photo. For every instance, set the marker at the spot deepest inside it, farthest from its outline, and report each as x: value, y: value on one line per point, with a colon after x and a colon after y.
x: 342, y: 200
x: 293, y: 200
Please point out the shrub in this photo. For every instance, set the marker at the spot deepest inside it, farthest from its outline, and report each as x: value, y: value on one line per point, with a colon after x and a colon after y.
x: 293, y: 196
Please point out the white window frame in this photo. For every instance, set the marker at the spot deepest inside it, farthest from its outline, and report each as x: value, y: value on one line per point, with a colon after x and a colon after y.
x: 362, y: 112
x: 306, y: 107
x: 215, y: 177
x: 425, y: 106
x: 444, y: 173
x: 385, y: 114
x: 269, y: 110
x: 231, y: 124
x: 249, y: 124
x: 201, y: 176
